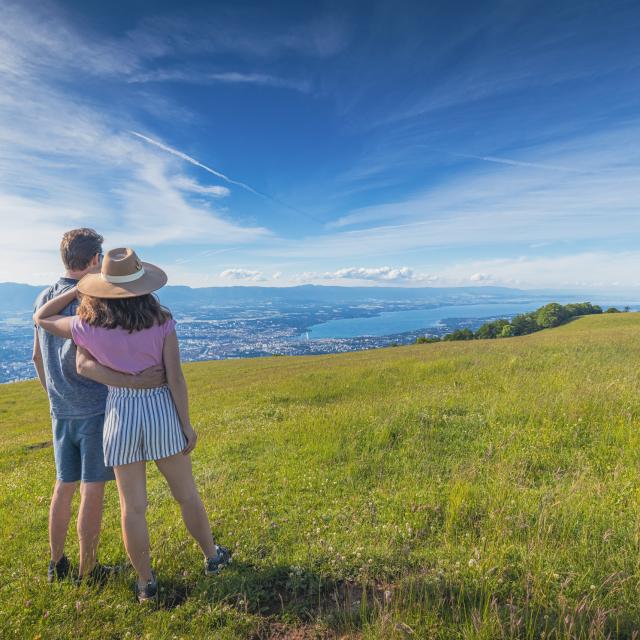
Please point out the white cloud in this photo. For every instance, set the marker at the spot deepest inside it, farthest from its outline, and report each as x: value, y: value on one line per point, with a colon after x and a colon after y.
x: 584, y: 270
x: 374, y: 273
x: 187, y: 184
x: 395, y: 275
x: 242, y: 274
x: 595, y: 270
x: 480, y: 277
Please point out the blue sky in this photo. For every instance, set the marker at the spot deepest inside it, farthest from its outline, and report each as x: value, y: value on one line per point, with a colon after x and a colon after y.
x: 396, y: 143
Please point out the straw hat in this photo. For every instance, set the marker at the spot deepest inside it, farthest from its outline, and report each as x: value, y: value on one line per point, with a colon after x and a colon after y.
x: 122, y: 275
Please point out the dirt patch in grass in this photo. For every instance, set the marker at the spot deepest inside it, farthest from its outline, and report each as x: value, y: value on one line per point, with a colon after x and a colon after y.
x: 282, y: 631
x: 37, y: 445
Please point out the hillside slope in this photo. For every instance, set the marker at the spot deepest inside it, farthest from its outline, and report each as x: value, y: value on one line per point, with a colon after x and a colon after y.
x: 470, y: 489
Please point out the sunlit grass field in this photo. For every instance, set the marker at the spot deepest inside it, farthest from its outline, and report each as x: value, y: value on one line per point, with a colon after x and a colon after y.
x: 483, y: 489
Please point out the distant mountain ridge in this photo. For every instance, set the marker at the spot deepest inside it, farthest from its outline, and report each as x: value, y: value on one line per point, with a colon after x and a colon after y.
x: 323, y: 293
x: 15, y: 296
x: 18, y: 297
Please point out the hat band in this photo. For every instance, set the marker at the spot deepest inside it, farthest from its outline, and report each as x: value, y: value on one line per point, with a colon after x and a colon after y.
x: 121, y: 279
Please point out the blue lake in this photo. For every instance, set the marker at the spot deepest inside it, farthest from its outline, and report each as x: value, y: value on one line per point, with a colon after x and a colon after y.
x: 390, y: 322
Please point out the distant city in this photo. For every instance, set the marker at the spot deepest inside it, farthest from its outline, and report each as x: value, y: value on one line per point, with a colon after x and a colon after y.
x: 244, y: 322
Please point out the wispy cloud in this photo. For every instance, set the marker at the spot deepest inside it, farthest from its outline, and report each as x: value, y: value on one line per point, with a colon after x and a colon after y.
x: 519, y: 52
x: 505, y: 204
x: 233, y: 77
x: 26, y: 28
x: 264, y: 33
x: 226, y: 77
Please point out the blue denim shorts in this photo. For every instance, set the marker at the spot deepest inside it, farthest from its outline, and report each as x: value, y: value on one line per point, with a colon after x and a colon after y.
x: 77, y: 446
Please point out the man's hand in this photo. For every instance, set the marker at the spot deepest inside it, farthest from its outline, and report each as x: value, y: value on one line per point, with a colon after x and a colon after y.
x: 89, y: 367
x: 149, y: 378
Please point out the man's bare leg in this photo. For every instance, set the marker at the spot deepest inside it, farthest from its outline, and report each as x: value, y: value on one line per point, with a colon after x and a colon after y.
x: 89, y: 522
x: 59, y: 517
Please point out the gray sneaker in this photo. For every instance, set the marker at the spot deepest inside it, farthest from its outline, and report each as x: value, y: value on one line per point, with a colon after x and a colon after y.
x: 221, y: 560
x: 149, y: 591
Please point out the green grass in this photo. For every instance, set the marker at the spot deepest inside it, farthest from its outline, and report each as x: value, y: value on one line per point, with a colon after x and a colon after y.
x: 484, y: 489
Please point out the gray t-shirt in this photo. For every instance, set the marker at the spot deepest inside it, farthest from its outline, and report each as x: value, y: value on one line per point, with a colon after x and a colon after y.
x: 70, y: 394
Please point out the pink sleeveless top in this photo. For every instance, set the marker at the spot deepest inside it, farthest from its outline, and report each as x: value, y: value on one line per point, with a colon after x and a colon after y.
x: 120, y: 350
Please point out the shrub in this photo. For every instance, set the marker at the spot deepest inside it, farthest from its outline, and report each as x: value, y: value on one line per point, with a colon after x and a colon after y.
x: 491, y: 329
x: 507, y: 331
x: 523, y: 324
x: 551, y: 315
x: 459, y: 334
x: 582, y: 309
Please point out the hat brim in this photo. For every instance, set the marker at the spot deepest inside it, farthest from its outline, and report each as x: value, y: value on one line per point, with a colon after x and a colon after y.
x: 94, y: 285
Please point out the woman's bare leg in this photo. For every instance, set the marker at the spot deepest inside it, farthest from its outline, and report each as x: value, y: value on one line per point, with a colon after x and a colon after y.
x: 132, y: 489
x: 177, y: 470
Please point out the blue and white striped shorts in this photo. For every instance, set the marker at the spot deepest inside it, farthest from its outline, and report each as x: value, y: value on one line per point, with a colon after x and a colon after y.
x: 140, y: 424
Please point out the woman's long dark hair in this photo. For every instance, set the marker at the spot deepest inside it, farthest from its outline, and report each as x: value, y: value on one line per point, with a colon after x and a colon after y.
x: 133, y: 314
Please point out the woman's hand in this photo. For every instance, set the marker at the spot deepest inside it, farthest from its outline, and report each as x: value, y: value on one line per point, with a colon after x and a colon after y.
x: 192, y: 438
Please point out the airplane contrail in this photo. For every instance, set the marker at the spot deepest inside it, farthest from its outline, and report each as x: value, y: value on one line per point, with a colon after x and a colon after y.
x: 242, y: 185
x: 195, y: 162
x: 509, y: 161
x: 516, y: 163
x: 202, y: 254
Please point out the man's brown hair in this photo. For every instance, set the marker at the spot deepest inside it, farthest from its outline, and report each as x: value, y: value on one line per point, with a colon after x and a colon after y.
x: 78, y: 247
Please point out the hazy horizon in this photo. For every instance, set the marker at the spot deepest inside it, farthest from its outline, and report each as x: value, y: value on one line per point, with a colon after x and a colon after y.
x: 613, y: 291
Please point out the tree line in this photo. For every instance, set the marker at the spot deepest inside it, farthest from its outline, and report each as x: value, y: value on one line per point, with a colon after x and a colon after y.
x: 550, y: 315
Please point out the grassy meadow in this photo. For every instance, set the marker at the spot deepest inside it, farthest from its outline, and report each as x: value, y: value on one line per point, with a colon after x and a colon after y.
x: 483, y: 489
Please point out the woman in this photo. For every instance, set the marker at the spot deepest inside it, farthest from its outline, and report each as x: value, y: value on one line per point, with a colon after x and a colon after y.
x: 122, y: 325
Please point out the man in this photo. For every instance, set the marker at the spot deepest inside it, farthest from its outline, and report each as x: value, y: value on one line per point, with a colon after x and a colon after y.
x: 77, y: 413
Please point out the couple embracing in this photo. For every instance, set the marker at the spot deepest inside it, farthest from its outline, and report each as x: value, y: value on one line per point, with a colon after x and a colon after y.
x: 107, y: 354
